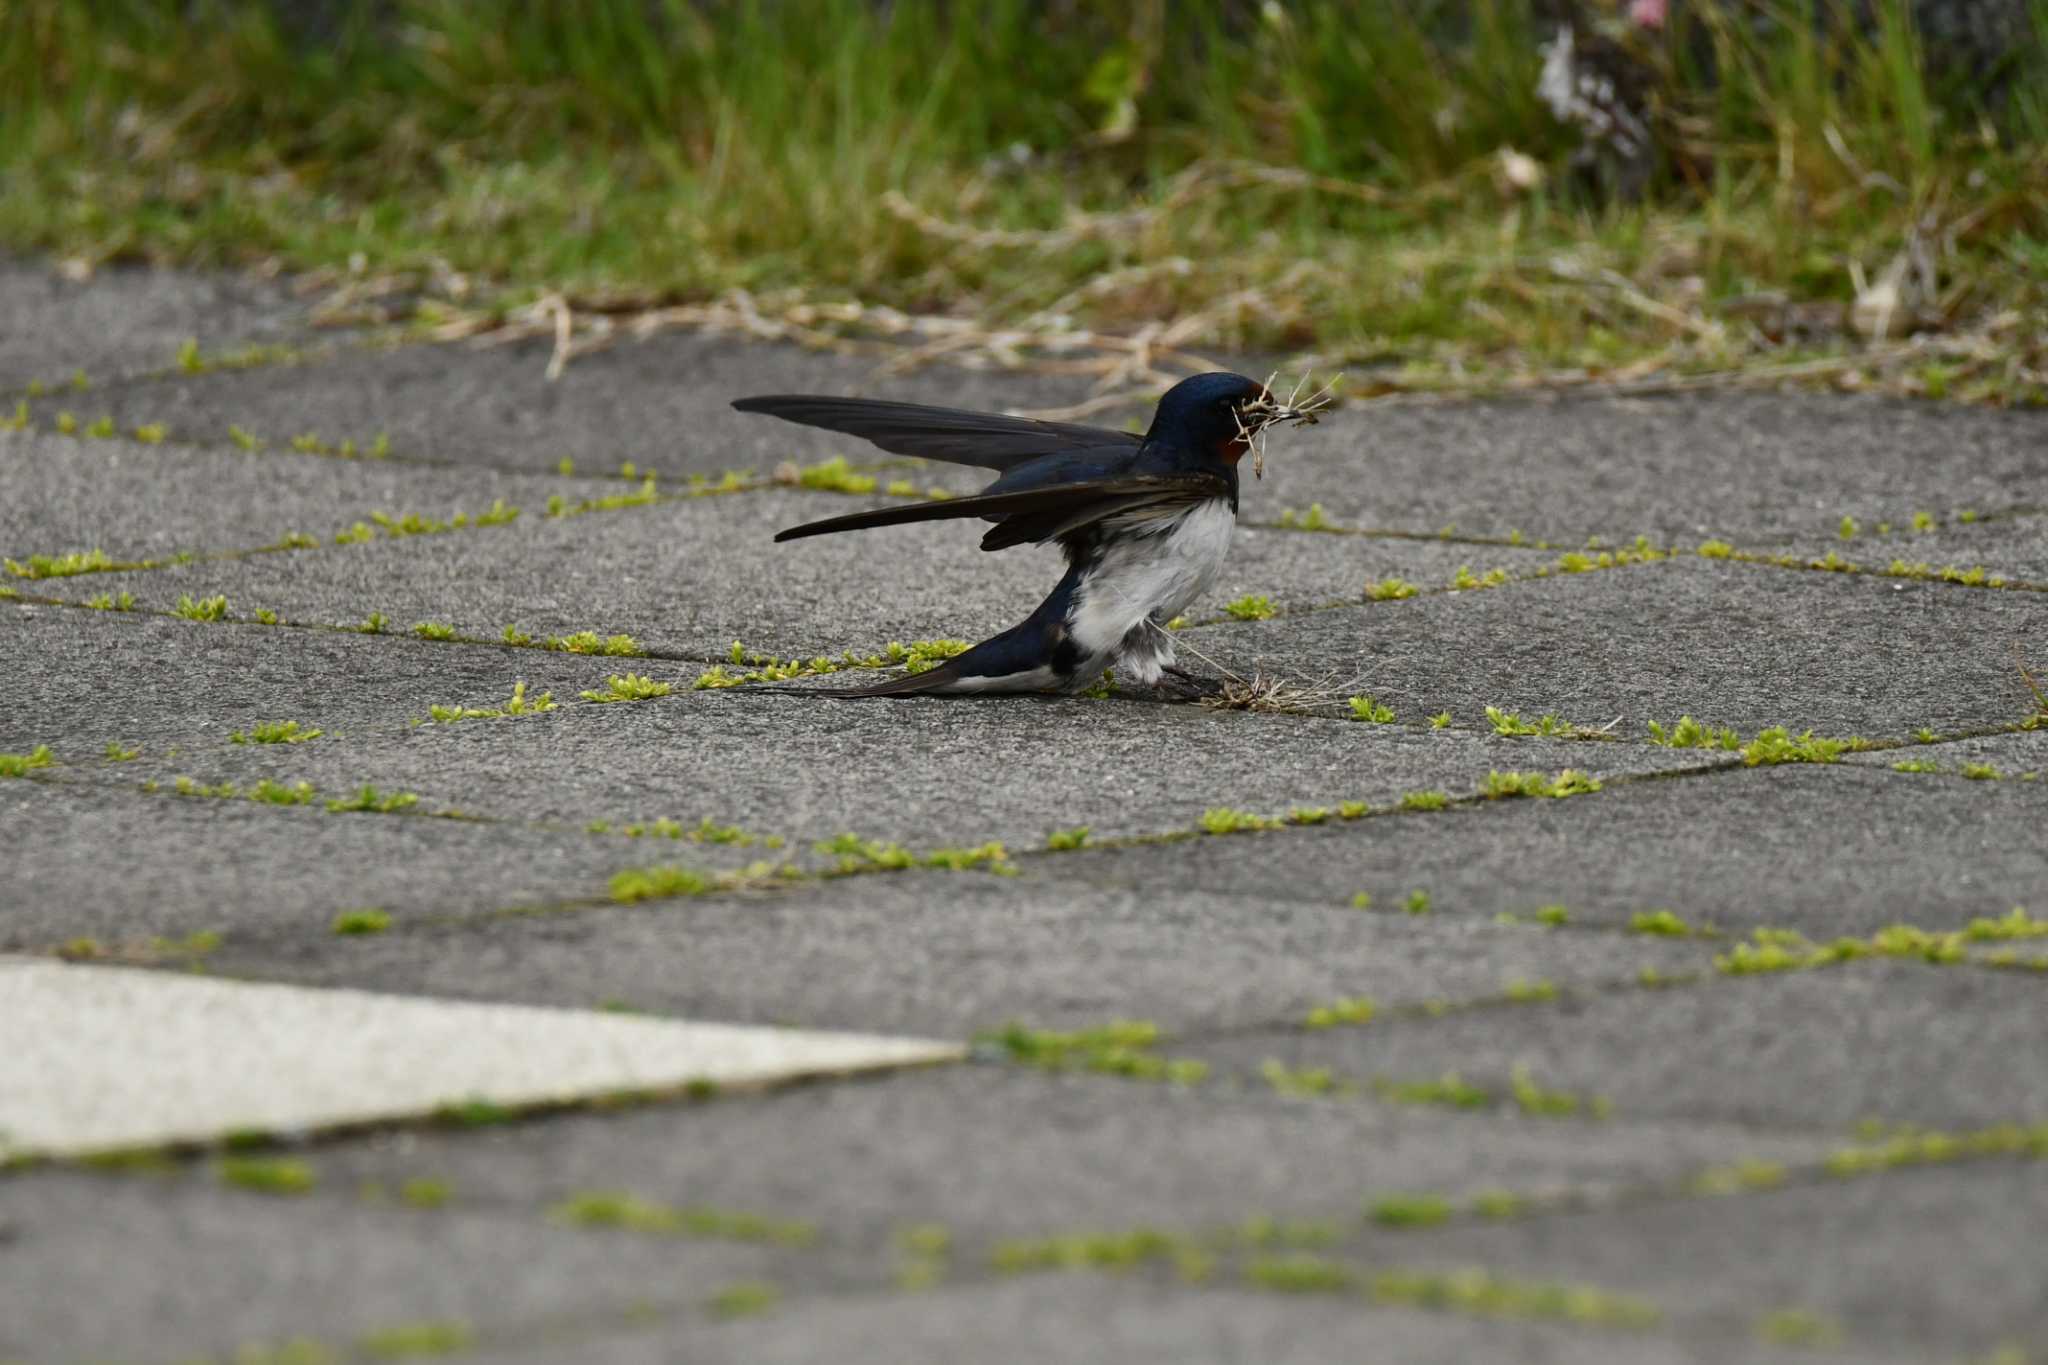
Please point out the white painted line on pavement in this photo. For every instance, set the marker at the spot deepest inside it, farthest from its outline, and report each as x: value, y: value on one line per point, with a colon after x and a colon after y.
x: 100, y: 1058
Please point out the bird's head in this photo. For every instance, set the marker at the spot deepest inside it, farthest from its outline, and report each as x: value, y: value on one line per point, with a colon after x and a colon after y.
x: 1219, y: 416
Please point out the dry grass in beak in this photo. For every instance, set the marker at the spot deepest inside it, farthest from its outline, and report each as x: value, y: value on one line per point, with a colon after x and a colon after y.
x: 1255, y: 418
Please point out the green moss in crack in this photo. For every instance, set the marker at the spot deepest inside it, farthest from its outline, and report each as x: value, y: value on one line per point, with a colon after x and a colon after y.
x: 1389, y: 590
x: 1352, y: 810
x: 663, y: 882
x: 1425, y: 800
x: 1479, y: 1292
x: 274, y: 732
x: 855, y: 854
x: 20, y: 765
x: 1226, y: 820
x: 1916, y: 765
x: 1569, y: 782
x: 243, y: 440
x: 589, y: 642
x: 1779, y: 745
x: 1289, y: 1080
x: 1449, y: 1090
x: 413, y: 1340
x: 1981, y: 772
x: 356, y: 923
x: 266, y: 1175
x: 117, y: 754
x: 1510, y: 724
x: 1409, y: 1210
x: 518, y: 704
x: 61, y: 566
x: 1315, y: 519
x: 828, y: 476
x: 102, y: 428
x: 1251, y: 608
x: 433, y: 630
x: 1356, y: 1009
x: 1123, y: 1047
x: 265, y: 616
x: 369, y: 799
x: 629, y: 687
x: 1467, y: 581
x: 1690, y: 734
x: 1366, y: 709
x: 1534, y: 1100
x: 1716, y: 549
x: 124, y: 601
x: 620, y: 1209
x: 278, y: 794
x: 1067, y: 840
x: 151, y: 433
x: 1308, y: 815
x: 1531, y: 992
x: 1659, y: 922
x: 1417, y: 902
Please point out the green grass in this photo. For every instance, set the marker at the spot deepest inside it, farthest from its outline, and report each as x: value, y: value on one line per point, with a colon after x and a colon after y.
x: 1338, y: 171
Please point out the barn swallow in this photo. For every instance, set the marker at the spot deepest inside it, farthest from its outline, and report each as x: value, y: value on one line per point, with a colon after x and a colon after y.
x: 1144, y: 521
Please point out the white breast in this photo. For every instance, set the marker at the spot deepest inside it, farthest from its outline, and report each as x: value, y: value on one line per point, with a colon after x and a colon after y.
x: 1153, y: 578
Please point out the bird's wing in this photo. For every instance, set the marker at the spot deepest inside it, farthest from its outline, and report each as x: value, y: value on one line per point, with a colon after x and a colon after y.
x: 1035, y: 514
x: 987, y: 439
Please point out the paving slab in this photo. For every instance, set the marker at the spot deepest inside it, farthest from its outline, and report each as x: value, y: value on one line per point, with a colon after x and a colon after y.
x: 663, y: 403
x: 1074, y: 1318
x: 994, y: 1153
x: 953, y: 953
x: 1916, y: 1263
x: 2012, y: 546
x: 123, y: 320
x: 1754, y: 468
x: 2021, y: 756
x: 189, y: 1269
x: 1948, y: 1047
x: 1825, y: 850
x: 138, y: 501
x: 124, y: 869
x: 926, y: 773
x: 689, y: 577
x: 1730, y: 644
x: 148, y: 1058
x: 85, y: 679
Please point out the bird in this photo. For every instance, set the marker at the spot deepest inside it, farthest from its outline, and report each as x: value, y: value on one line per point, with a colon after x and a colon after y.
x: 1144, y: 522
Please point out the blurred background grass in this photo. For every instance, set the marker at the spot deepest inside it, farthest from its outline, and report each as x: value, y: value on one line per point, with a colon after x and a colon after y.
x: 1378, y: 183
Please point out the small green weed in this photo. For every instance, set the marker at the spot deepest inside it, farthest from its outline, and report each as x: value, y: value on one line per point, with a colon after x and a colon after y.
x: 1390, y: 590
x: 629, y: 687
x: 371, y: 800
x: 267, y: 1175
x: 1690, y: 734
x: 205, y: 609
x: 351, y: 923
x: 61, y: 566
x: 20, y: 765
x: 1225, y: 820
x: 1252, y: 608
x: 275, y: 732
x: 1366, y: 709
x: 1066, y: 840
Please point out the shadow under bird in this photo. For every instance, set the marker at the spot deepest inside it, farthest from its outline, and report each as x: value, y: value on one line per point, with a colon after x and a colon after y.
x: 1144, y: 522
